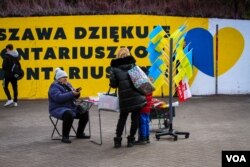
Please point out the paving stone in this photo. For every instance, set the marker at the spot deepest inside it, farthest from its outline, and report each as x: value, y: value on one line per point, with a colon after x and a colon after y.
x: 215, y: 123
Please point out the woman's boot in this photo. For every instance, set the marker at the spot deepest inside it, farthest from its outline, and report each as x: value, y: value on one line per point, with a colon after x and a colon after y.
x: 117, y: 142
x: 131, y: 141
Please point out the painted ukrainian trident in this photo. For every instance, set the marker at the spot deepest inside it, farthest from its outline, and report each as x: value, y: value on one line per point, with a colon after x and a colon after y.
x: 158, y: 49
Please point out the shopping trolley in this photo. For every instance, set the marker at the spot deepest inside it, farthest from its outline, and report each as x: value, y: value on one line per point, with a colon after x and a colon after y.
x: 160, y: 111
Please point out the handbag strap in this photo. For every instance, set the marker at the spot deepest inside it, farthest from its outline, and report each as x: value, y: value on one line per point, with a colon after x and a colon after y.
x: 110, y: 89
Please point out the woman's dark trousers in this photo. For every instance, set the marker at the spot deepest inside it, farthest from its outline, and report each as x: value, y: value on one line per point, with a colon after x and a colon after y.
x: 68, y: 121
x: 122, y: 121
x: 13, y: 82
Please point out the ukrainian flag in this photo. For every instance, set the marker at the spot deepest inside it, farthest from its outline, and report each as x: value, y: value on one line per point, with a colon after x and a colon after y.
x: 157, y: 34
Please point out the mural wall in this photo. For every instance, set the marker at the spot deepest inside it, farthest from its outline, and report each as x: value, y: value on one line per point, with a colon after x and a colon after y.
x: 84, y: 46
x: 233, y: 58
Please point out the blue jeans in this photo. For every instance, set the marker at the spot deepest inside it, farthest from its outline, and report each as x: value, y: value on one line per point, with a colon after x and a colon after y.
x: 144, y: 125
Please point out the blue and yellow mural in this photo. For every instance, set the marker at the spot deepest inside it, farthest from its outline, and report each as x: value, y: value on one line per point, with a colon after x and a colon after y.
x: 85, y: 45
x: 203, y: 44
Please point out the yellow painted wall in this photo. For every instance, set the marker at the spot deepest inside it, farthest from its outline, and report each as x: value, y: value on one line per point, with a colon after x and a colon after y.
x: 64, y: 38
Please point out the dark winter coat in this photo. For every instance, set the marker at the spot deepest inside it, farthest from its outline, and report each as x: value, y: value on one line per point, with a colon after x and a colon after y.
x: 129, y: 98
x: 61, y: 99
x: 8, y: 61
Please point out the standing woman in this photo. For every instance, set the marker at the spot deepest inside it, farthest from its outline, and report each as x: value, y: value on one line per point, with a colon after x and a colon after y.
x: 130, y: 100
x: 10, y: 58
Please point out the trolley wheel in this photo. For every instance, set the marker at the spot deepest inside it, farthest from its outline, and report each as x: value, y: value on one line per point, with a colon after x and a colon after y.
x: 157, y: 137
x: 175, y: 138
x: 187, y: 136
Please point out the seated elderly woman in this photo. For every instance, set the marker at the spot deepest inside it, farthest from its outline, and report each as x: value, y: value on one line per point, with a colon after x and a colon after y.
x: 62, y: 97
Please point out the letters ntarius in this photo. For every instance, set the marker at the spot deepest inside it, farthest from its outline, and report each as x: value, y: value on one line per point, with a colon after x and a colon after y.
x: 82, y: 52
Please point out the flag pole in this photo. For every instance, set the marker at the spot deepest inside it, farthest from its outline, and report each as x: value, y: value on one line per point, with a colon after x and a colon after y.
x: 170, y: 99
x: 170, y: 131
x: 216, y: 61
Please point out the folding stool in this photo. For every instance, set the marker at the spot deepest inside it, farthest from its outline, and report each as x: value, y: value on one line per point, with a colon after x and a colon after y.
x: 54, y: 121
x: 86, y: 104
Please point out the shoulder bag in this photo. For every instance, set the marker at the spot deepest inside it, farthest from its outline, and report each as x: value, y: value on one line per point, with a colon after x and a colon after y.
x: 140, y: 80
x: 109, y: 101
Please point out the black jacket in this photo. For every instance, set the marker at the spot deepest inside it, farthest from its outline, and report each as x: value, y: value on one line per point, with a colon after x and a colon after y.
x: 129, y: 98
x: 8, y: 61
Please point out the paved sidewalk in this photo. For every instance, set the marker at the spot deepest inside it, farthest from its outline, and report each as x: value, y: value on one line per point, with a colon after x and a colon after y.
x: 215, y: 123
